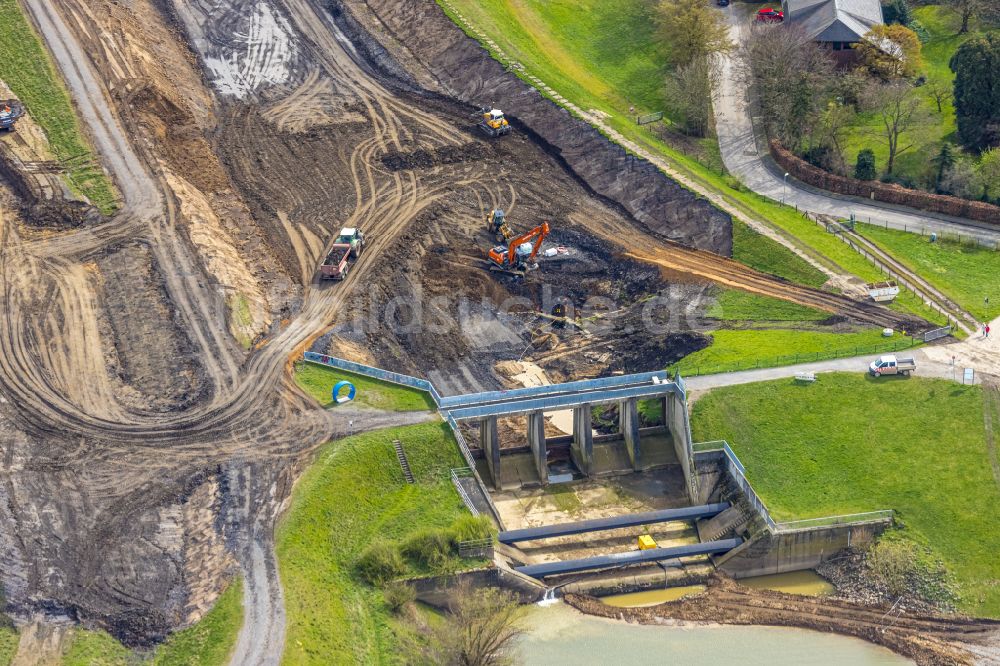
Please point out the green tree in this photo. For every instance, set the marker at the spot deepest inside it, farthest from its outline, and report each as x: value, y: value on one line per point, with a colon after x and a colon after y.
x: 989, y: 174
x: 977, y: 95
x: 691, y: 30
x: 944, y: 161
x: 864, y: 169
x: 891, y: 51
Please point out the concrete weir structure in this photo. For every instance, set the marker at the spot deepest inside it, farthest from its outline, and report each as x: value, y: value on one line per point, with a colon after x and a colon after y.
x: 581, y: 396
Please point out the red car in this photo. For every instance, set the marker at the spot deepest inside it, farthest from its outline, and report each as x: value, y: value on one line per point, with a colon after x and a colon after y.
x: 768, y: 15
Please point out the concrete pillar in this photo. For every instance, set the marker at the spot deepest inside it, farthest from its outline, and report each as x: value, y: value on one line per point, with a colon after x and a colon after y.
x: 489, y: 440
x: 628, y: 426
x: 667, y: 413
x: 536, y: 439
x: 582, y: 450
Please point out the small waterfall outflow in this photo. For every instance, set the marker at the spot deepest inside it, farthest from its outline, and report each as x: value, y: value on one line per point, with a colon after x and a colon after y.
x: 549, y: 597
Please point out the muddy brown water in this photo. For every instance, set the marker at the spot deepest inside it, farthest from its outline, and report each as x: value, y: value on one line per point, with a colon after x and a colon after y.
x: 808, y: 583
x: 560, y: 635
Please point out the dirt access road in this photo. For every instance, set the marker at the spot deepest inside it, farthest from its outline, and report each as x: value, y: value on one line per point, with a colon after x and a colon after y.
x: 149, y: 427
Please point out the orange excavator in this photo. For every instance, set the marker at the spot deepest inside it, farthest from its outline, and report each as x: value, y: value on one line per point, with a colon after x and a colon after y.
x: 517, y: 256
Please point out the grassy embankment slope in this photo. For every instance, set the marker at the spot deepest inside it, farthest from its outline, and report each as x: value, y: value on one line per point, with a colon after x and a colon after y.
x: 610, y: 63
x: 351, y: 496
x: 744, y: 349
x: 8, y: 644
x: 318, y: 381
x: 927, y: 137
x: 207, y: 643
x: 26, y: 67
x: 850, y: 443
x: 967, y: 274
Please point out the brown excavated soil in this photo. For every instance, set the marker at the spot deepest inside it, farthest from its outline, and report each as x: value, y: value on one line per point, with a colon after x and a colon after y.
x: 928, y: 639
x: 148, y: 427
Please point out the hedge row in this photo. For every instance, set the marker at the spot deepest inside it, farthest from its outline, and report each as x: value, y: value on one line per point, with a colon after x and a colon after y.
x: 885, y: 192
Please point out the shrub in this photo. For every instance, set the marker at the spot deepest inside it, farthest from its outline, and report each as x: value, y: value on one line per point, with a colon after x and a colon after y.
x: 380, y: 562
x: 865, y: 167
x: 896, y: 11
x: 471, y: 528
x: 823, y: 157
x: 397, y: 595
x: 891, y: 564
x: 918, y: 27
x: 429, y: 548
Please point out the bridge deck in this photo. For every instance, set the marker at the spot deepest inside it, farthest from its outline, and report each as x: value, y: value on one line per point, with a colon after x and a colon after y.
x: 624, y: 559
x: 614, y: 522
x: 563, y: 400
x: 473, y: 399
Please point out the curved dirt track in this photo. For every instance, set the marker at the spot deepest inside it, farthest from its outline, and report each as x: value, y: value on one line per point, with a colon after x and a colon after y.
x: 146, y: 453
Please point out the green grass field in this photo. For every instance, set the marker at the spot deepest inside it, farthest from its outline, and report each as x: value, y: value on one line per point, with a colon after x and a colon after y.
x: 734, y: 350
x: 8, y: 644
x: 318, y: 381
x: 850, y: 443
x: 207, y: 643
x: 353, y: 494
x: 26, y: 67
x: 967, y: 274
x: 942, y: 26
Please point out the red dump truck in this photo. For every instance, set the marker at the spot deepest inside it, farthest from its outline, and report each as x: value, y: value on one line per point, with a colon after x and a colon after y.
x: 346, y: 249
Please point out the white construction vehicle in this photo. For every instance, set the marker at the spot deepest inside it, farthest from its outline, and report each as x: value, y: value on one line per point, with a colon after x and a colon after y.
x: 890, y: 365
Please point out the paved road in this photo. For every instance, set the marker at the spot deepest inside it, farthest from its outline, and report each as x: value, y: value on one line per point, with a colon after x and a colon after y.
x: 743, y: 159
x: 930, y: 363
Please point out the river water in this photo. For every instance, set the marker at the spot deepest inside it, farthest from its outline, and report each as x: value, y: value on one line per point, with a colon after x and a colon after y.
x: 561, y: 635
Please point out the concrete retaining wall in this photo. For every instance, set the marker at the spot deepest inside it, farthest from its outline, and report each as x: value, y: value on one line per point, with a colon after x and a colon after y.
x: 438, y: 591
x: 772, y: 553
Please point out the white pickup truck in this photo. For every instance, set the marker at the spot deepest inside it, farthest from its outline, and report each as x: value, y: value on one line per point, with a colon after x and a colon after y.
x: 890, y: 365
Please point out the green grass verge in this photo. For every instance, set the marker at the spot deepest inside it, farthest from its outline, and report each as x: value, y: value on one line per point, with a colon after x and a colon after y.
x: 968, y: 274
x: 8, y: 644
x: 850, y: 443
x: 318, y: 381
x: 744, y: 349
x: 733, y: 305
x: 94, y: 648
x: 572, y: 53
x: 26, y: 67
x: 209, y: 642
x: 867, y: 132
x: 352, y: 495
x: 768, y: 256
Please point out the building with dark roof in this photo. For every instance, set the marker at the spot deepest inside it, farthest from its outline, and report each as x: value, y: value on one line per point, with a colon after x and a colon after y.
x: 834, y: 23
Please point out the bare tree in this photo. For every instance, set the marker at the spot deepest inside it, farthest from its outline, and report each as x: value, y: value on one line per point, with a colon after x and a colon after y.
x: 791, y: 78
x: 481, y: 630
x: 898, y: 108
x: 689, y: 95
x: 830, y: 131
x: 940, y: 93
x: 968, y: 10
